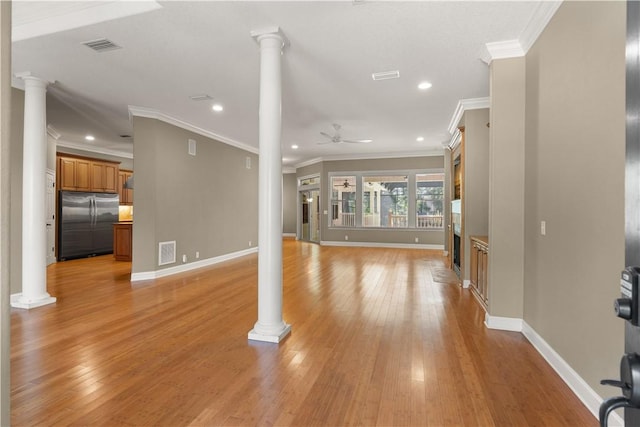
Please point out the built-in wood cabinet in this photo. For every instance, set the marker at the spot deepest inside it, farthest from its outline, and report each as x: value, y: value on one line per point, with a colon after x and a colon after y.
x: 479, y: 283
x: 126, y: 194
x: 122, y: 241
x: 82, y: 174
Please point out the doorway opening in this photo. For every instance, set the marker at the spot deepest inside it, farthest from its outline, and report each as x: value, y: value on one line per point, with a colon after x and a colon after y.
x: 310, y: 216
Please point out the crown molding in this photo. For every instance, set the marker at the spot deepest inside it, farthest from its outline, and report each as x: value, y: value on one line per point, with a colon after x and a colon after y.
x: 455, y: 140
x: 93, y: 149
x: 518, y: 48
x: 371, y: 156
x: 288, y: 170
x: 464, y: 105
x: 150, y: 113
x: 53, y: 133
x: 80, y: 16
x: 541, y: 17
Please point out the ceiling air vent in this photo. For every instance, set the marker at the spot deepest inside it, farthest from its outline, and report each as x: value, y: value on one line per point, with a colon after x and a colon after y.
x: 385, y: 75
x: 101, y: 45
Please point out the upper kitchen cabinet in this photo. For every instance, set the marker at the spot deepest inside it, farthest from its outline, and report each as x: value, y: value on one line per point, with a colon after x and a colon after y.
x: 126, y: 194
x: 81, y: 174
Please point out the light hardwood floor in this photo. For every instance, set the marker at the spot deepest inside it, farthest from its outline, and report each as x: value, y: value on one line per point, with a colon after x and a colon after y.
x: 375, y: 341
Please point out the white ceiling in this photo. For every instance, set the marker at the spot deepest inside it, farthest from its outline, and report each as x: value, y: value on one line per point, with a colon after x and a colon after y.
x: 172, y: 50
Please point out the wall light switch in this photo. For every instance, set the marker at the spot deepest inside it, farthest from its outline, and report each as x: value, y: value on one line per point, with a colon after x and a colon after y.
x: 192, y: 147
x: 543, y: 228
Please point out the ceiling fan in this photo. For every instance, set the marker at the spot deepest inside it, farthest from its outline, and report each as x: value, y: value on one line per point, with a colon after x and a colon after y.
x: 337, y: 139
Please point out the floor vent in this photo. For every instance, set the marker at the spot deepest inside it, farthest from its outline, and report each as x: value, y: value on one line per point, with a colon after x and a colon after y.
x: 166, y: 253
x: 101, y: 45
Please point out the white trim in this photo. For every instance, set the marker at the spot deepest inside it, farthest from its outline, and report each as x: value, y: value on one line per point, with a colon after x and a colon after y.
x: 539, y: 21
x: 466, y: 283
x: 83, y: 16
x: 464, y: 105
x: 580, y: 388
x: 519, y: 47
x: 16, y: 301
x: 513, y: 324
x: 289, y: 235
x: 456, y: 138
x: 94, y: 149
x: 287, y: 170
x: 372, y: 156
x: 151, y: 113
x: 150, y: 275
x: 254, y: 336
x: 53, y: 133
x: 381, y: 245
x: 503, y: 50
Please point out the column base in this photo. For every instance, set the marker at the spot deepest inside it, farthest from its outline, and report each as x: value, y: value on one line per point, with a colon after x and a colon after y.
x: 254, y: 336
x: 18, y: 301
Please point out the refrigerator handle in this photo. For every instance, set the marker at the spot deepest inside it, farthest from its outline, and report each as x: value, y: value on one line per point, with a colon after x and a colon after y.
x: 93, y: 211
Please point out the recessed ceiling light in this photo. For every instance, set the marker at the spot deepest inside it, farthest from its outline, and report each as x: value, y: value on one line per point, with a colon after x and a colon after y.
x: 294, y: 146
x: 89, y: 137
x: 424, y: 85
x: 217, y: 108
x: 420, y: 138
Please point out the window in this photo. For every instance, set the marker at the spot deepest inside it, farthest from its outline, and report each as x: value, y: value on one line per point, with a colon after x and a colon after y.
x: 401, y: 199
x: 390, y: 209
x: 343, y: 201
x: 430, y: 200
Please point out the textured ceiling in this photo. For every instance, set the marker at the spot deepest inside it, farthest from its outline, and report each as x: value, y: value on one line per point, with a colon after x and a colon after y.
x: 186, y: 48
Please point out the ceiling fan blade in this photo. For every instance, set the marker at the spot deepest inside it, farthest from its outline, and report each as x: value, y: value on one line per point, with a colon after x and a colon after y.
x: 324, y: 142
x: 326, y: 134
x: 336, y: 127
x: 357, y: 141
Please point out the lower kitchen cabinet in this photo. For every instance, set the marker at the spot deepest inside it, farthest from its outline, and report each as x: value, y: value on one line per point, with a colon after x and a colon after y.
x: 122, y: 241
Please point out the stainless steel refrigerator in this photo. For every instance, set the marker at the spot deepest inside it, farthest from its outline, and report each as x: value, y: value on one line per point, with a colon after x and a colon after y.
x: 85, y: 223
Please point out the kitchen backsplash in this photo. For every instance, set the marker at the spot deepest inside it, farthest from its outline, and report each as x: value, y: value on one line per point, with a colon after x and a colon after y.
x: 125, y: 213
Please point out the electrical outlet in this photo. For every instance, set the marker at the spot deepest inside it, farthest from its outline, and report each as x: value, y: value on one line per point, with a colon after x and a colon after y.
x: 249, y: 243
x: 543, y: 228
x: 346, y: 237
x: 197, y: 255
x: 184, y: 258
x: 417, y: 240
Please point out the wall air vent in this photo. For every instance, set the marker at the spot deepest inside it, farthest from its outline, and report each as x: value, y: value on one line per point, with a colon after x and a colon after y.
x: 166, y: 253
x: 385, y: 75
x: 101, y: 45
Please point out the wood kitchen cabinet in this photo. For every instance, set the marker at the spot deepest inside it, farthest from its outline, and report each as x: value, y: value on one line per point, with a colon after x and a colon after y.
x: 122, y: 241
x: 478, y: 274
x: 126, y: 194
x: 81, y: 174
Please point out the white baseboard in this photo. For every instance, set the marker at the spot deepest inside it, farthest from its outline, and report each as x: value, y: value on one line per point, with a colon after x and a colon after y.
x: 150, y: 275
x: 466, y: 283
x: 503, y: 323
x: 580, y: 388
x: 381, y: 245
x: 289, y: 235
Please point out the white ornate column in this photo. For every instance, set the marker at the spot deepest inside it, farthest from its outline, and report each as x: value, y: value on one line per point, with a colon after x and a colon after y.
x: 34, y: 167
x: 270, y: 327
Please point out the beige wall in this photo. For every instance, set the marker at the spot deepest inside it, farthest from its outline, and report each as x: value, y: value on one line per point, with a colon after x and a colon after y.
x: 289, y: 203
x: 206, y: 203
x: 5, y: 213
x: 574, y: 180
x: 506, y: 198
x: 403, y: 236
x: 476, y: 180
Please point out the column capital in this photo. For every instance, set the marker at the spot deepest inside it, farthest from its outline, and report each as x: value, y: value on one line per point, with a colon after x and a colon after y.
x: 270, y: 33
x: 27, y: 77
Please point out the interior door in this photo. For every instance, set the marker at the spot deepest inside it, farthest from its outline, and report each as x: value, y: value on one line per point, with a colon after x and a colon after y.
x: 632, y: 174
x: 305, y: 229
